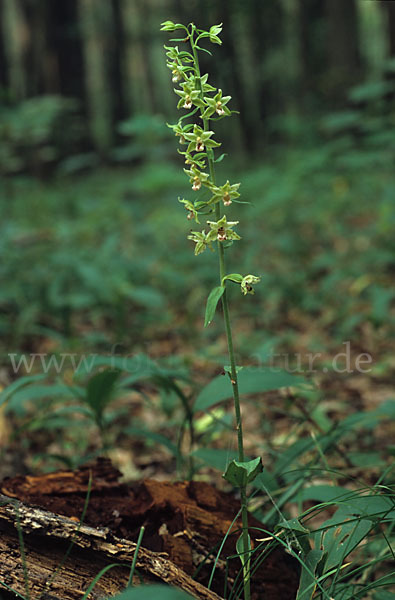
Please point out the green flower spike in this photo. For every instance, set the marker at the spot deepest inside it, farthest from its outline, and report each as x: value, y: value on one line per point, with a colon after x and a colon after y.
x: 222, y: 230
x: 192, y: 212
x: 247, y: 282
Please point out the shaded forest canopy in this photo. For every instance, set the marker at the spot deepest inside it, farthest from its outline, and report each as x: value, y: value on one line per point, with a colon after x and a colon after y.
x: 280, y: 60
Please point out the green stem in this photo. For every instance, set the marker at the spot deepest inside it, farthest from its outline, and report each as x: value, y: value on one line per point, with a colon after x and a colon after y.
x: 228, y: 330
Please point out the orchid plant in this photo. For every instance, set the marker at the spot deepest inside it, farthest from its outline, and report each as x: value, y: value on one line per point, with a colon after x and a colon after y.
x: 204, y: 103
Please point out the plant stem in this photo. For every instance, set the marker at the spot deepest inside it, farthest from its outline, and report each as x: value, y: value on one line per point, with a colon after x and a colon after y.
x: 233, y: 370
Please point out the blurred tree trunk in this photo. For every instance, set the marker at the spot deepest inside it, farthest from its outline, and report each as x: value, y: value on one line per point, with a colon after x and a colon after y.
x: 162, y: 87
x: 311, y: 23
x: 246, y: 70
x: 373, y: 37
x: 135, y: 66
x: 96, y: 25
x: 292, y: 53
x: 42, y: 68
x: 343, y: 46
x: 16, y: 40
x: 389, y: 7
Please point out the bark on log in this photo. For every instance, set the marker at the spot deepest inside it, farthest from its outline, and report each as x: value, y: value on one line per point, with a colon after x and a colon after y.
x: 185, y: 525
x: 46, y: 539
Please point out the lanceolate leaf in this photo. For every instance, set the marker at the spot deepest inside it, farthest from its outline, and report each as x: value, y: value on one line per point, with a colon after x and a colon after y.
x: 307, y: 583
x: 251, y: 380
x: 147, y: 592
x: 6, y: 394
x: 100, y: 391
x: 212, y: 302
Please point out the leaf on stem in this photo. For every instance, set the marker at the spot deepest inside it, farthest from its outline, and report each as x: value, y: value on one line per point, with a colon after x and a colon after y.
x: 240, y: 474
x: 240, y: 550
x: 212, y: 301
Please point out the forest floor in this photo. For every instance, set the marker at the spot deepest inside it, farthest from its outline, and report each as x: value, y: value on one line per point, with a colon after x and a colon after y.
x: 100, y: 267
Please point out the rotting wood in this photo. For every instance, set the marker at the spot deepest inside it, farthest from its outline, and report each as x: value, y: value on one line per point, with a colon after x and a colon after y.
x: 46, y: 538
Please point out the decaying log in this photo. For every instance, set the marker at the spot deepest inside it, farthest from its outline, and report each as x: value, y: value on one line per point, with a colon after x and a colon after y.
x: 185, y: 522
x: 46, y: 538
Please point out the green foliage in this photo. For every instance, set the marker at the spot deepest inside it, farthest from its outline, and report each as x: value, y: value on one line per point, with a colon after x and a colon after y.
x: 252, y: 380
x: 37, y: 132
x: 212, y: 301
x: 147, y: 592
x: 240, y: 474
x: 146, y: 139
x: 100, y: 391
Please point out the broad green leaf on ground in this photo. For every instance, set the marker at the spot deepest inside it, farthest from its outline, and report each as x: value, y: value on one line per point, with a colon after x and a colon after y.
x: 100, y: 390
x: 17, y: 385
x: 324, y: 493
x: 139, y: 365
x: 149, y: 592
x: 341, y: 539
x: 384, y: 595
x: 307, y: 583
x: 252, y: 380
x: 36, y: 392
x: 214, y: 457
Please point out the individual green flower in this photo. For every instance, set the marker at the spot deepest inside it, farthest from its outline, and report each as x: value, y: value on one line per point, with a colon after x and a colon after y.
x: 174, y: 54
x: 247, y: 282
x: 192, y: 212
x: 199, y: 140
x: 188, y: 97
x: 190, y: 94
x: 176, y: 71
x: 226, y: 193
x: 197, y: 178
x: 179, y: 131
x: 201, y: 240
x: 222, y: 230
x: 217, y: 104
x: 206, y: 86
x: 196, y: 160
